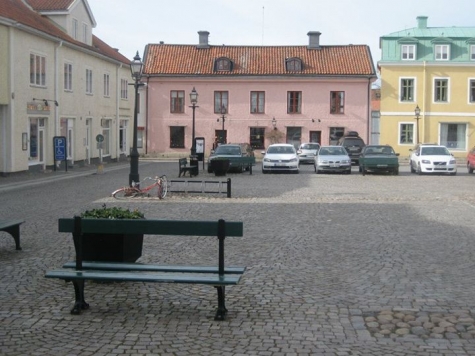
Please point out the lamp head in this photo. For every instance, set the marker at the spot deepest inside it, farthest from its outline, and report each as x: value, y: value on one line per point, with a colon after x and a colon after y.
x: 136, y: 67
x: 417, y: 111
x: 193, y: 96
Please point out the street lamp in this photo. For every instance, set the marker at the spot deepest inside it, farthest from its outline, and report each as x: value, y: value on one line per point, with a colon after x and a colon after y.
x: 136, y: 68
x: 194, y: 101
x: 417, y: 112
x: 223, y: 119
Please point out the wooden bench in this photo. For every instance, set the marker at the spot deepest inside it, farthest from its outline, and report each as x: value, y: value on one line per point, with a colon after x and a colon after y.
x: 217, y: 276
x: 183, y: 166
x: 13, y: 228
x: 245, y: 162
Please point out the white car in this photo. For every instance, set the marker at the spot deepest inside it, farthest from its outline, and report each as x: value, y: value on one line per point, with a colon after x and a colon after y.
x: 332, y: 159
x: 280, y: 157
x: 430, y: 158
x: 307, y: 152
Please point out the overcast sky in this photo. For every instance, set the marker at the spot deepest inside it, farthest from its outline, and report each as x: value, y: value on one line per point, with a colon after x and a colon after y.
x: 131, y: 25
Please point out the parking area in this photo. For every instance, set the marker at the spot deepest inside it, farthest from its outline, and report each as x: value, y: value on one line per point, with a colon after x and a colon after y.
x: 334, y: 264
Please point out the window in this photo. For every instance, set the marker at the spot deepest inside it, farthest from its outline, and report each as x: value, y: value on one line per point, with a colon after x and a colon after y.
x: 88, y: 81
x: 408, y: 52
x: 74, y: 29
x: 256, y: 137
x: 472, y: 52
x: 293, y: 65
x: 123, y: 136
x: 106, y: 132
x: 124, y: 87
x: 257, y: 102
x: 294, y: 100
x: 441, y: 88
x: 335, y: 134
x: 220, y: 102
x: 84, y: 32
x: 453, y: 136
x: 407, y: 89
x: 406, y: 133
x: 140, y: 137
x: 68, y: 76
x: 67, y: 130
x: 177, y: 101
x: 177, y: 137
x: 337, y: 102
x: 37, y: 70
x: 471, y: 91
x: 106, y: 85
x: 223, y: 65
x: 294, y: 136
x: 442, y: 52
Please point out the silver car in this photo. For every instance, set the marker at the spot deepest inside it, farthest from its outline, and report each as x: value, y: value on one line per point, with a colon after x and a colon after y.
x: 307, y: 152
x: 332, y: 159
x: 280, y: 157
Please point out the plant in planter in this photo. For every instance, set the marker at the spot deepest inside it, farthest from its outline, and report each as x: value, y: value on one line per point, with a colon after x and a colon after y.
x: 112, y: 247
x: 220, y: 166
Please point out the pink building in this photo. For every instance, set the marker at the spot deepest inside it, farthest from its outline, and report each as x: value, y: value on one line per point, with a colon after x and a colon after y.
x: 254, y: 94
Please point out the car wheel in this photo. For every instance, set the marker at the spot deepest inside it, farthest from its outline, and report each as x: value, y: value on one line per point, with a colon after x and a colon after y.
x: 469, y: 168
x: 419, y: 170
x: 396, y: 171
x: 348, y: 171
x: 209, y: 169
x: 359, y: 169
x: 412, y: 168
x: 264, y: 171
x: 453, y: 174
x: 363, y: 170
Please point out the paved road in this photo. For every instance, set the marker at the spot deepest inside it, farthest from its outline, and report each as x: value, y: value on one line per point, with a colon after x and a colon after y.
x: 336, y: 265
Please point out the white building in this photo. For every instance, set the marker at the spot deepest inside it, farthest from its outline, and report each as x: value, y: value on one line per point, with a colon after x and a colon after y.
x: 58, y: 80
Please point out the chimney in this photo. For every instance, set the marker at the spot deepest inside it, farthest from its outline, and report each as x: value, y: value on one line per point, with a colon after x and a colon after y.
x: 203, y: 39
x: 314, y: 40
x: 422, y: 22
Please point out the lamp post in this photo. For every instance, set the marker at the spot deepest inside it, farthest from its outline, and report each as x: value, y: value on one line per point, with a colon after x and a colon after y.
x: 136, y: 69
x: 417, y: 112
x: 223, y: 119
x: 274, y: 123
x: 194, y: 101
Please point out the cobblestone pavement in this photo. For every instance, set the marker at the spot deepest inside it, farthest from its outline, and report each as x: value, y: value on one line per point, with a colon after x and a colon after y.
x: 336, y: 265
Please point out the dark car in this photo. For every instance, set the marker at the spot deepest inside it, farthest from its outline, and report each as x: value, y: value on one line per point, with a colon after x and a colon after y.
x: 353, y: 144
x: 229, y: 151
x: 379, y: 158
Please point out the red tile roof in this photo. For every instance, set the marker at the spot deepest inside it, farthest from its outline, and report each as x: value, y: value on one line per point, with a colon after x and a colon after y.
x: 46, y: 5
x: 17, y: 11
x: 351, y: 60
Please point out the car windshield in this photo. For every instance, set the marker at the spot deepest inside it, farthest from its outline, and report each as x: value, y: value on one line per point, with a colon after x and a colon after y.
x: 331, y: 151
x: 383, y: 150
x: 228, y: 150
x: 310, y: 146
x: 434, y: 151
x: 353, y: 142
x: 280, y: 149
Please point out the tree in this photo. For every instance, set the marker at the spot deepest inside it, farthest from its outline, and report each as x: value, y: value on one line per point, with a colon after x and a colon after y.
x: 274, y: 136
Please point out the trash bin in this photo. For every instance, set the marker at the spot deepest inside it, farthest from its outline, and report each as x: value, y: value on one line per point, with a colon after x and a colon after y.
x: 194, y: 165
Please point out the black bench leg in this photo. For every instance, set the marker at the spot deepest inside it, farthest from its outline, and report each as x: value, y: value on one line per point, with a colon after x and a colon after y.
x: 222, y: 311
x: 15, y: 232
x: 80, y: 303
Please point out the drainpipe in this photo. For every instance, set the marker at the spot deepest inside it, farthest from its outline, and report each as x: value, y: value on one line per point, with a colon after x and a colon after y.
x: 368, y: 128
x: 146, y: 115
x: 424, y: 102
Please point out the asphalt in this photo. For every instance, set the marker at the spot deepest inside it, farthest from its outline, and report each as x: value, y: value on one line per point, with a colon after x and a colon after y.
x: 336, y: 265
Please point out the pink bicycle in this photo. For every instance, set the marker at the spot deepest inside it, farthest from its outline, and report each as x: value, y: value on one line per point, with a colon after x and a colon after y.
x: 134, y: 191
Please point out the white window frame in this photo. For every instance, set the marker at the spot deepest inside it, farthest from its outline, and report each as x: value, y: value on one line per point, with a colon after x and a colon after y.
x: 74, y: 29
x: 472, y: 52
x: 85, y: 31
x: 68, y: 76
x: 443, y: 141
x: 414, y: 133
x: 413, y: 90
x: 124, y: 89
x: 434, y: 89
x: 442, y: 52
x: 471, y: 99
x: 406, y: 54
x: 106, y: 125
x: 37, y: 66
x: 89, y: 86
x: 106, y: 85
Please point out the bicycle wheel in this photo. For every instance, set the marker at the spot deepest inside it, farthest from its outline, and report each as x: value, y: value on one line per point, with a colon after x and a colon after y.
x: 163, y: 190
x: 125, y: 192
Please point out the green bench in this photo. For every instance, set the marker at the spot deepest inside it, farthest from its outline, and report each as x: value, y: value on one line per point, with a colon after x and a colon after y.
x: 184, y: 167
x: 245, y: 163
x: 13, y: 228
x: 79, y: 271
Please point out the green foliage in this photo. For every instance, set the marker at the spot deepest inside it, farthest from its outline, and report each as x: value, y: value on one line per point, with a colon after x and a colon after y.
x: 112, y: 213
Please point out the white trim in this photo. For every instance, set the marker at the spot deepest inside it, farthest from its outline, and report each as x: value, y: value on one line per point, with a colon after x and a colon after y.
x: 468, y: 91
x: 428, y: 113
x: 448, y: 90
x: 414, y: 133
x: 439, y: 63
x: 414, y: 90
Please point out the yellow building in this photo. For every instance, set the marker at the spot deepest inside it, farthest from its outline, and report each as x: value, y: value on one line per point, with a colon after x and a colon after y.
x: 428, y: 88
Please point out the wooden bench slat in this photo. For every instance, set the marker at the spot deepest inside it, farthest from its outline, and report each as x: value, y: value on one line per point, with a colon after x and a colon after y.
x: 119, y: 266
x: 134, y: 277
x: 13, y: 228
x: 152, y: 227
x: 8, y: 223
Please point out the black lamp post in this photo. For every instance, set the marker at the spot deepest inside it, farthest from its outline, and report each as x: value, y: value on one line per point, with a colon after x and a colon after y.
x: 417, y: 112
x: 223, y: 119
x: 194, y: 101
x: 136, y: 69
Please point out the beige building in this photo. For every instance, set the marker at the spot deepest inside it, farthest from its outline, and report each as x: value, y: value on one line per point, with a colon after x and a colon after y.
x: 61, y: 88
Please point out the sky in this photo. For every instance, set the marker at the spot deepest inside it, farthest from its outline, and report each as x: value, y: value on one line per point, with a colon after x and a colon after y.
x: 131, y: 25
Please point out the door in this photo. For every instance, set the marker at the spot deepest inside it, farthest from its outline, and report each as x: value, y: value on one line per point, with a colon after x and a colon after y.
x: 315, y: 136
x: 87, y: 140
x: 36, y: 147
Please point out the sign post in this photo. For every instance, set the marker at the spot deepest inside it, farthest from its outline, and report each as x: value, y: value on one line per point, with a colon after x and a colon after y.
x: 100, y: 143
x: 59, y: 154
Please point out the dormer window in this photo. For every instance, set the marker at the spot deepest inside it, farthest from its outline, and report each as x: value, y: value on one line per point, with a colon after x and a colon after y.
x: 223, y: 64
x: 408, y: 52
x: 442, y: 52
x: 293, y: 65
